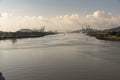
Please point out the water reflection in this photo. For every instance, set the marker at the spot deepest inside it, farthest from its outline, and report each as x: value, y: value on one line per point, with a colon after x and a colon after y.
x: 14, y: 41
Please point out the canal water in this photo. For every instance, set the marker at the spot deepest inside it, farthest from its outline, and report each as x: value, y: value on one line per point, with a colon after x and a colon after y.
x: 71, y: 56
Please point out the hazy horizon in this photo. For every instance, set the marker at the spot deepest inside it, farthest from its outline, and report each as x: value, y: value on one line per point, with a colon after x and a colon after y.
x: 59, y: 15
x: 64, y: 54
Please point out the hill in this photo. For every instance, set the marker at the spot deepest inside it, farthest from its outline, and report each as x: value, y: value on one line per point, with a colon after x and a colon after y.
x: 117, y: 29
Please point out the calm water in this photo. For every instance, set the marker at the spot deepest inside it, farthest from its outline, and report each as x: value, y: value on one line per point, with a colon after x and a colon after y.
x: 60, y: 57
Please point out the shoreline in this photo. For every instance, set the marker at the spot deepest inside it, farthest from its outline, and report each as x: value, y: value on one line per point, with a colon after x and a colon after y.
x: 22, y: 35
x: 104, y: 36
x: 108, y: 38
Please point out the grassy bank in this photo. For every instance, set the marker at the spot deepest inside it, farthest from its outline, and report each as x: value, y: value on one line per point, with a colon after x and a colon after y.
x: 111, y: 36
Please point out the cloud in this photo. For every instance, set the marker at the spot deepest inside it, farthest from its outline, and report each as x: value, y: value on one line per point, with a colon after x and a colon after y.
x: 97, y: 19
x: 100, y: 14
x: 4, y: 15
x: 100, y: 19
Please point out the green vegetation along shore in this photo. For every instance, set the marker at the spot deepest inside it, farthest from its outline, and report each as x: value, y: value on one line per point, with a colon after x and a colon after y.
x: 108, y: 34
x: 18, y: 35
x: 112, y: 36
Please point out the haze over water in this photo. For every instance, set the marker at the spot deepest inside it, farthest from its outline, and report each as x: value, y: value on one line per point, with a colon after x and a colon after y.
x: 60, y: 57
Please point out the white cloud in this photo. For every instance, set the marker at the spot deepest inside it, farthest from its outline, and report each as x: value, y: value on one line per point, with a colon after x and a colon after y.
x: 4, y: 15
x: 100, y: 14
x: 98, y: 19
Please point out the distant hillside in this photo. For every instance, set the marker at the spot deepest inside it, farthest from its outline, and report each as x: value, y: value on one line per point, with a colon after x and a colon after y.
x: 76, y: 31
x: 117, y: 29
x: 25, y: 30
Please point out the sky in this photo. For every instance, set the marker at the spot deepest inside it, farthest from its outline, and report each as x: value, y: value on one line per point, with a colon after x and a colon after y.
x: 58, y: 14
